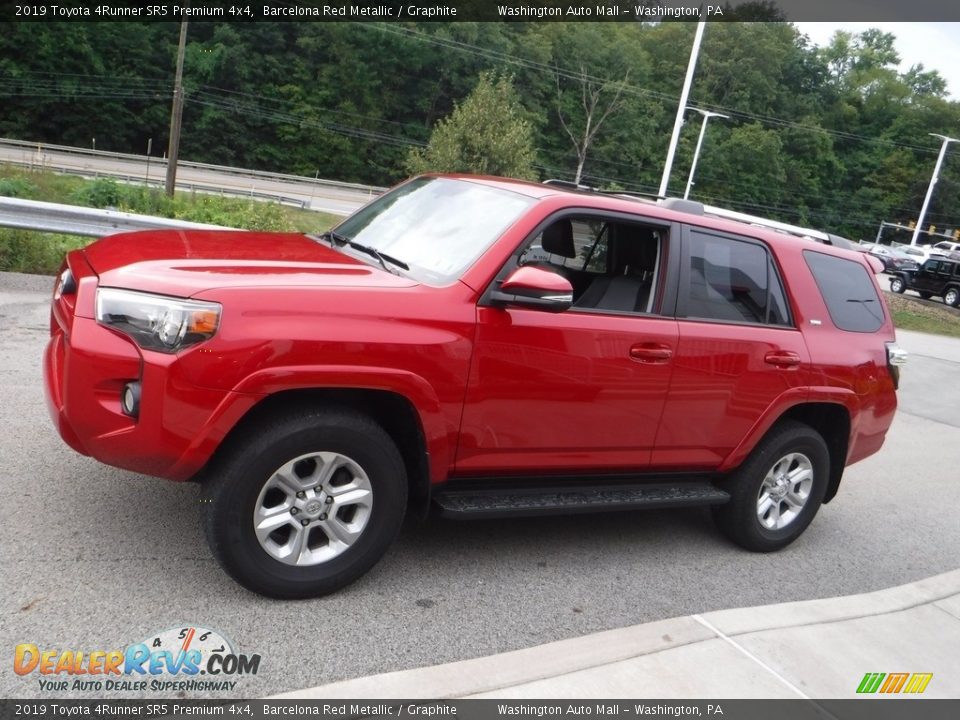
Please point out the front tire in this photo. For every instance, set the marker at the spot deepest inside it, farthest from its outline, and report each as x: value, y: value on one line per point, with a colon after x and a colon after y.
x: 952, y: 297
x: 897, y: 285
x: 304, y: 505
x: 777, y: 491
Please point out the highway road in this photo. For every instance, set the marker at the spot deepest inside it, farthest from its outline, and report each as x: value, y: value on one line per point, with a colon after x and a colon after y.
x: 92, y: 557
x: 322, y: 196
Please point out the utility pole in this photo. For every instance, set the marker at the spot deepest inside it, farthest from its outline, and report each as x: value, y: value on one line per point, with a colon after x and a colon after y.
x: 146, y: 180
x: 176, y: 114
x: 681, y: 108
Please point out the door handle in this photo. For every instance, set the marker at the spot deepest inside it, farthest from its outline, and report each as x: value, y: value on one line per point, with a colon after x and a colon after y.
x: 782, y: 358
x: 650, y: 353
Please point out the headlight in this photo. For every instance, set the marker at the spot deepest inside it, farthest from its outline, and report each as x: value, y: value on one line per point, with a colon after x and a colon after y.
x: 156, y: 322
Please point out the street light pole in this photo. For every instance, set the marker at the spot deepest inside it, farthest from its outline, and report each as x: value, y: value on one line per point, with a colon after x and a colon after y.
x: 707, y: 114
x: 933, y: 181
x: 681, y: 108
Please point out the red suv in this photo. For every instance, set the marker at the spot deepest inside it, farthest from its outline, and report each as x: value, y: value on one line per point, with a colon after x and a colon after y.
x: 486, y: 346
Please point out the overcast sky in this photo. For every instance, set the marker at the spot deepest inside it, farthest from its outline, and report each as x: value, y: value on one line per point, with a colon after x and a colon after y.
x: 933, y: 44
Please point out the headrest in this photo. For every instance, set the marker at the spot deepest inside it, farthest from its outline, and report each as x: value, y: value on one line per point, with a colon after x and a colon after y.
x: 637, y: 249
x: 558, y: 239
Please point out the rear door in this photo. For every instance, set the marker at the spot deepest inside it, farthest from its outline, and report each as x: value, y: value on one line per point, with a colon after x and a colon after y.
x: 737, y: 352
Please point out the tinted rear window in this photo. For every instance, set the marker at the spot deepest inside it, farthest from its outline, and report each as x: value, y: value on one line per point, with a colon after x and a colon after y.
x: 733, y: 280
x: 848, y: 291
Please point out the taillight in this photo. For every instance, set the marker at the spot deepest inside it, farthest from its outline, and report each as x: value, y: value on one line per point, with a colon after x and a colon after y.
x: 896, y: 358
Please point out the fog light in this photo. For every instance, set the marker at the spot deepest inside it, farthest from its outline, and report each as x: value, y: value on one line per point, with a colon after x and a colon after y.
x: 130, y: 399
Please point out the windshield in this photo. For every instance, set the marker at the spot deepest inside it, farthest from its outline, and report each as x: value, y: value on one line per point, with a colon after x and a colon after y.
x: 437, y: 226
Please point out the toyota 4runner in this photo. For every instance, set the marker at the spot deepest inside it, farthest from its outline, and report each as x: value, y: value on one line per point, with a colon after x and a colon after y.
x: 483, y: 346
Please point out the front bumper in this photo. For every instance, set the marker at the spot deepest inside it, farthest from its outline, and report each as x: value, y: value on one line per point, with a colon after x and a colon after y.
x: 86, y: 367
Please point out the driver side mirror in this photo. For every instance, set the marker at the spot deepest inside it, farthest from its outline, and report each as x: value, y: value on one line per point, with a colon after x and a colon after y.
x: 535, y: 289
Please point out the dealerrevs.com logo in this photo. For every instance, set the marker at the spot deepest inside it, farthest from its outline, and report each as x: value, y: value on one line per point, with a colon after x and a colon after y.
x: 179, y: 659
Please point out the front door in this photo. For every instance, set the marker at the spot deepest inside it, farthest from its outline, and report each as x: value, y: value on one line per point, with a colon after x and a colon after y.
x: 581, y: 391
x: 568, y: 393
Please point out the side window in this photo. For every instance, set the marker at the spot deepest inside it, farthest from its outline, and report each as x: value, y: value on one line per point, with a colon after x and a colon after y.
x: 591, y: 240
x: 733, y: 280
x: 629, y: 278
x: 612, y: 263
x: 849, y: 293
x: 579, y: 245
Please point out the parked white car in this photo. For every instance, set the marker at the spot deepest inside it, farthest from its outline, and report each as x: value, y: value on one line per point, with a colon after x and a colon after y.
x: 920, y: 253
x: 945, y: 248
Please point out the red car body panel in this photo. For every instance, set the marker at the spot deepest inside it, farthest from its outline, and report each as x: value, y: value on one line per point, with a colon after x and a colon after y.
x: 585, y: 404
x: 722, y: 385
x: 496, y: 390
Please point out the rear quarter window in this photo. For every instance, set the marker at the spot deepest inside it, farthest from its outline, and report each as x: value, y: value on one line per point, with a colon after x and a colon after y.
x: 848, y: 292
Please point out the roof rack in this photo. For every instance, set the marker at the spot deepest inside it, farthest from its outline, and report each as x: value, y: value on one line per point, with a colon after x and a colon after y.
x: 628, y: 194
x: 694, y: 207
x: 683, y: 205
x: 633, y: 195
x: 698, y: 208
x: 569, y: 185
x: 767, y: 223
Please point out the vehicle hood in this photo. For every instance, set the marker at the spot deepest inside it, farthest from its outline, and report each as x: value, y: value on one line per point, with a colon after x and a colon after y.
x: 185, y: 262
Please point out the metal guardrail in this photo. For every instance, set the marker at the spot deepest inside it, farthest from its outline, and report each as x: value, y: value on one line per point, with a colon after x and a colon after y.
x: 92, y: 222
x: 162, y: 163
x: 238, y: 193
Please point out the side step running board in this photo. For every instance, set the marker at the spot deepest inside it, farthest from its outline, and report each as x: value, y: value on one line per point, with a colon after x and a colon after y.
x: 505, y: 502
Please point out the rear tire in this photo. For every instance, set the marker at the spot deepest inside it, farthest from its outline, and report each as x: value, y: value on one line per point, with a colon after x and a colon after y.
x: 777, y: 491
x: 952, y: 297
x: 897, y: 285
x: 305, y: 504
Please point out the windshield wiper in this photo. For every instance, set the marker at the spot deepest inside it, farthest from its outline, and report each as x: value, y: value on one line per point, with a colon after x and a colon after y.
x: 340, y: 240
x: 383, y: 258
x: 331, y: 237
x: 866, y: 306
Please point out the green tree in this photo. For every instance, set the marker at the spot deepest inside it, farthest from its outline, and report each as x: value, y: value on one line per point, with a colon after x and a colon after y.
x: 588, y: 99
x: 485, y: 134
x: 348, y: 101
x: 746, y: 166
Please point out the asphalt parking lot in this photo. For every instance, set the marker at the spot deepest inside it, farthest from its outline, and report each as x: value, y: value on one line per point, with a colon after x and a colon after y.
x: 92, y: 557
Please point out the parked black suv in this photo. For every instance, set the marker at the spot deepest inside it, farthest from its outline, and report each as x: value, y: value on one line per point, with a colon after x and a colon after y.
x: 938, y: 276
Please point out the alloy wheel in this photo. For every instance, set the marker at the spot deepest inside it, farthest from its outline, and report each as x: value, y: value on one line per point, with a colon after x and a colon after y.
x: 313, y: 508
x: 784, y: 491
